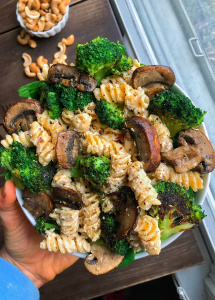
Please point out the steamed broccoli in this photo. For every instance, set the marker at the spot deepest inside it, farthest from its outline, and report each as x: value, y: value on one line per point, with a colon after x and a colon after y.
x: 178, y: 211
x: 46, y: 224
x: 109, y: 229
x: 101, y: 58
x: 67, y: 96
x: 82, y: 100
x: 109, y: 114
x: 176, y: 111
x: 49, y: 97
x: 95, y: 169
x: 23, y: 163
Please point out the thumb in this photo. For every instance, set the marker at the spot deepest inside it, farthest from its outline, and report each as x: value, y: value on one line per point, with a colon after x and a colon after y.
x: 11, y: 213
x: 7, y: 196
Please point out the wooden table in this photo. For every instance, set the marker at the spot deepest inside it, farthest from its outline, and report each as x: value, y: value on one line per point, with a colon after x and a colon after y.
x: 87, y: 20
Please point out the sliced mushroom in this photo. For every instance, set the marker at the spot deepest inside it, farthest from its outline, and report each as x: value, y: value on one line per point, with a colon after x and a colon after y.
x: 67, y: 148
x: 183, y: 159
x: 202, y: 146
x: 102, y: 260
x: 126, y: 212
x: 67, y: 197
x: 146, y: 139
x: 39, y: 204
x: 71, y: 76
x: 153, y: 79
x: 86, y: 83
x: 21, y: 114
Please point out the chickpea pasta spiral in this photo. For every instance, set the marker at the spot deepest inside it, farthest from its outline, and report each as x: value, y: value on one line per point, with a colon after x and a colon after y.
x: 62, y: 179
x: 135, y: 242
x: 166, y: 142
x: 142, y: 187
x: 149, y: 233
x: 65, y: 244
x: 43, y: 142
x: 67, y: 116
x: 53, y: 126
x: 68, y: 219
x: 127, y: 76
x: 187, y: 179
x: 22, y: 137
x: 81, y: 122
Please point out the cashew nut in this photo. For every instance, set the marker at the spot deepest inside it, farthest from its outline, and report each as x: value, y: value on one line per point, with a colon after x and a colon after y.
x: 63, y: 5
x: 27, y: 59
x: 41, y: 61
x: 23, y: 14
x: 54, y: 6
x: 33, y: 14
x: 49, y: 17
x: 69, y: 41
x: 25, y: 40
x: 60, y: 60
x: 21, y: 7
x: 49, y: 25
x: 36, y: 28
x: 40, y: 77
x: 59, y: 17
x: 34, y: 68
x: 32, y: 43
x: 28, y: 72
x: 24, y: 21
x: 41, y: 24
x: 29, y: 20
x: 23, y: 33
x: 44, y: 6
x: 45, y: 1
x: 62, y: 50
x: 31, y: 25
x: 42, y: 12
x: 36, y: 5
x: 30, y: 4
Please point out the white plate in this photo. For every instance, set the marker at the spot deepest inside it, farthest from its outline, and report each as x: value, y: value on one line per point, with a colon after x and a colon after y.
x: 199, y: 196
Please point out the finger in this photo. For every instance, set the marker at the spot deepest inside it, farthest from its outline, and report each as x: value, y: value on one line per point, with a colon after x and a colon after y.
x: 7, y: 196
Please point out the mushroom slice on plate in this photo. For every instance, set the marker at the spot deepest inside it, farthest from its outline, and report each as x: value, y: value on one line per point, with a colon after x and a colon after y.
x: 21, y: 114
x: 202, y: 146
x: 183, y: 159
x: 146, y: 140
x: 67, y: 197
x: 153, y: 79
x: 102, y: 260
x: 67, y: 148
x: 39, y: 204
x: 86, y: 83
x: 126, y: 212
x: 71, y: 76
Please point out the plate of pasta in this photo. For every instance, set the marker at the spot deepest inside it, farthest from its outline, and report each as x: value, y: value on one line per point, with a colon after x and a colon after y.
x: 110, y: 157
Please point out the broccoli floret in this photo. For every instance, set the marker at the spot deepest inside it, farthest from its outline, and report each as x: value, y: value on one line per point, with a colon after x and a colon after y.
x: 176, y: 111
x: 178, y: 210
x: 53, y: 105
x: 23, y: 163
x: 109, y: 114
x: 50, y: 98
x: 5, y: 162
x: 46, y: 224
x: 67, y: 96
x: 109, y: 229
x: 99, y: 56
x: 123, y: 65
x: 82, y: 100
x: 95, y: 169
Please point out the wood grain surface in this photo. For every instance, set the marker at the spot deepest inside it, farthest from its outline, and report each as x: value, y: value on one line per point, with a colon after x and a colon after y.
x: 78, y: 284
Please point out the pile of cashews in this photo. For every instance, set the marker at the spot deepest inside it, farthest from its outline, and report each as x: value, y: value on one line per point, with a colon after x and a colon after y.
x: 41, y: 15
x: 32, y: 69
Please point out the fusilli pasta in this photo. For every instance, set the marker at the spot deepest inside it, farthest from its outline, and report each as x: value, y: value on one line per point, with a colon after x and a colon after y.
x: 187, y: 179
x: 42, y: 140
x: 142, y: 187
x: 65, y: 244
x: 67, y: 116
x: 127, y: 76
x: 81, y: 122
x: 67, y: 218
x: 166, y: 143
x: 53, y: 126
x: 22, y: 137
x: 135, y: 242
x: 148, y: 231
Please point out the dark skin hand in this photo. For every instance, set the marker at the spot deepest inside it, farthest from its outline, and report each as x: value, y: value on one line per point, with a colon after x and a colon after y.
x: 22, y: 242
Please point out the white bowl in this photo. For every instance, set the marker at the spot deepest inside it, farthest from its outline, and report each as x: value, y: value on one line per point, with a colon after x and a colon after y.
x: 199, y: 196
x: 45, y: 34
